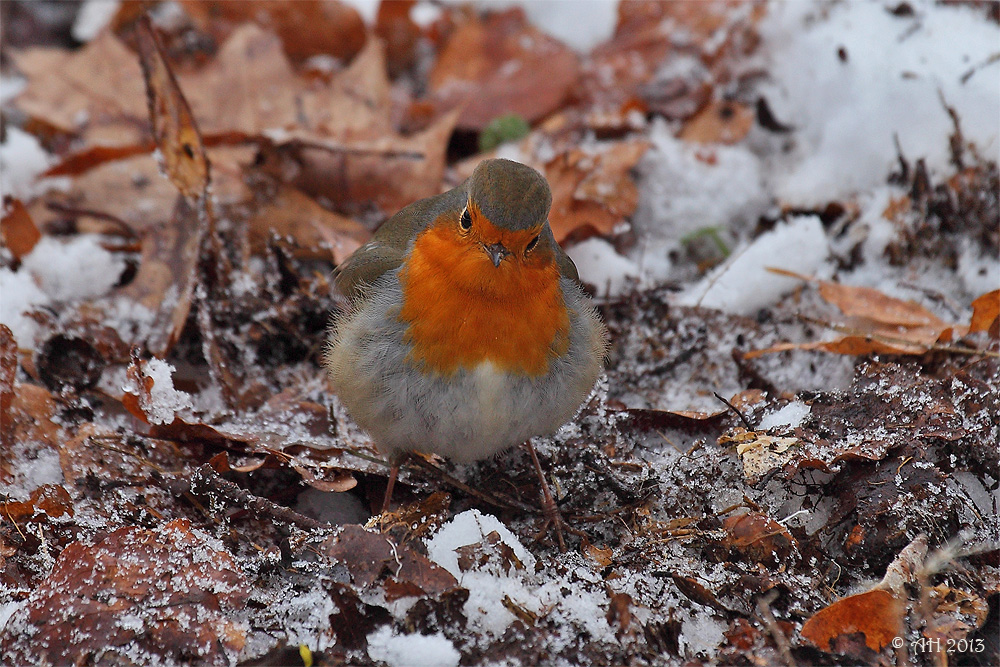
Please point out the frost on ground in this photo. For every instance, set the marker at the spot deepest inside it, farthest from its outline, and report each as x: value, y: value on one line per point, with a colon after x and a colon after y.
x: 791, y: 467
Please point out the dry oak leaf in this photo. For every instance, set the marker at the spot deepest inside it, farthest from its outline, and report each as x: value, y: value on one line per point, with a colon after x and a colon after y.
x: 400, y: 33
x: 368, y: 555
x: 8, y: 376
x: 877, y: 613
x: 592, y: 190
x: 500, y: 65
x: 956, y: 613
x: 346, y: 149
x: 95, y: 93
x: 97, y: 452
x: 138, y: 596
x: 630, y: 66
x: 250, y: 87
x: 306, y: 27
x: 50, y: 499
x: 164, y: 284
x: 131, y: 193
x: 317, y: 232
x: 32, y: 417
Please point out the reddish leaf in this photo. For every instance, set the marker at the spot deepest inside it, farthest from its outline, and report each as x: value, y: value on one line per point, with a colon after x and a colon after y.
x: 985, y: 312
x: 95, y: 92
x: 51, y: 499
x: 8, y: 374
x: 316, y: 231
x: 18, y: 230
x: 400, y: 34
x: 876, y: 614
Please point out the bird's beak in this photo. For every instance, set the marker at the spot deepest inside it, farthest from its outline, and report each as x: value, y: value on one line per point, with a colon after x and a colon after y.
x: 496, y: 252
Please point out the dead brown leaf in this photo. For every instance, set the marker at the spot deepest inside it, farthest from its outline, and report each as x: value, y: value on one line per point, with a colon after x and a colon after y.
x: 17, y: 229
x: 249, y: 87
x: 758, y: 537
x: 502, y: 65
x: 164, y: 284
x: 601, y: 557
x: 720, y: 122
x: 956, y: 613
x: 620, y: 614
x: 628, y: 69
x: 306, y: 27
x: 95, y: 93
x: 593, y: 191
x: 985, y: 312
x: 8, y: 375
x: 877, y: 614
x: 163, y: 594
x: 877, y: 323
x: 399, y: 32
x: 316, y: 231
x: 174, y: 127
x: 344, y: 148
x: 32, y: 414
x: 50, y: 499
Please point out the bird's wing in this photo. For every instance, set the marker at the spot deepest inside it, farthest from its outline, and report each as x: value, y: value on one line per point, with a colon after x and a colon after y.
x: 387, y: 248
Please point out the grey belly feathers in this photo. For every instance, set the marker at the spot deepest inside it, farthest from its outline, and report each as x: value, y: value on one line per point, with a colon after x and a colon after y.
x: 471, y: 415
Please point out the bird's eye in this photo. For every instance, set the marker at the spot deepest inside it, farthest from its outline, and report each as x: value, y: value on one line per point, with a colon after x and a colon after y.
x: 532, y: 243
x: 466, y: 219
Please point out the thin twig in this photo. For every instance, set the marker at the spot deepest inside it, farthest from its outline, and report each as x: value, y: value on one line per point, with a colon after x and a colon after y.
x: 746, y: 422
x: 780, y: 640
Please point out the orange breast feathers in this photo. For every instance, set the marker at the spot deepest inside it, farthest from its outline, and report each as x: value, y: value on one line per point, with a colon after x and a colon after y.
x: 461, y: 310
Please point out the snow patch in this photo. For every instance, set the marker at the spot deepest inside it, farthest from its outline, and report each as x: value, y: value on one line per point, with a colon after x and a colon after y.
x: 74, y: 269
x: 743, y: 285
x: 685, y: 188
x: 164, y: 400
x: 471, y: 527
x: 789, y: 416
x: 22, y: 159
x: 852, y: 76
x: 412, y: 650
x: 600, y: 265
x: 39, y: 471
x: 93, y: 17
x: 19, y: 295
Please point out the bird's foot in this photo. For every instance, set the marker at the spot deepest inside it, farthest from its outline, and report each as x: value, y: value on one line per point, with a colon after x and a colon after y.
x: 550, y: 511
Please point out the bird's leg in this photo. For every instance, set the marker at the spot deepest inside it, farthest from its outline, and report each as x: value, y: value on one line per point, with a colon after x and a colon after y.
x: 549, y: 509
x: 394, y: 464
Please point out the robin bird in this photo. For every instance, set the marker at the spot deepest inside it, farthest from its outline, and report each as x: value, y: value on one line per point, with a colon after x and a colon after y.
x: 469, y: 332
